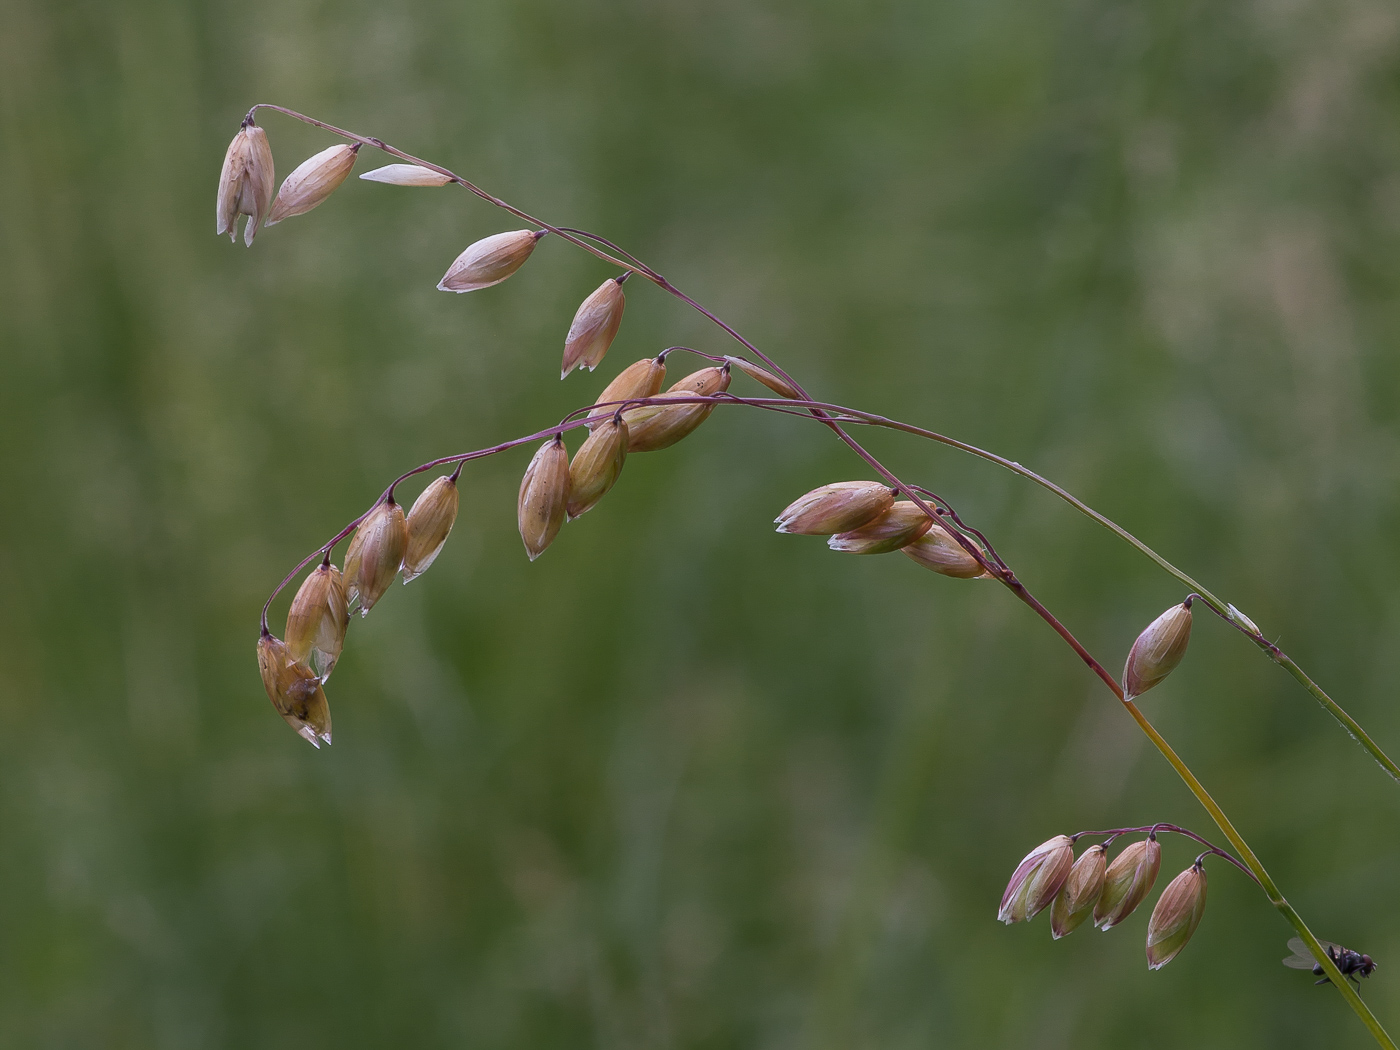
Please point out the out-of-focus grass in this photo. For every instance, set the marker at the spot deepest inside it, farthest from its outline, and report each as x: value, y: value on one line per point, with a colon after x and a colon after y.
x: 683, y: 782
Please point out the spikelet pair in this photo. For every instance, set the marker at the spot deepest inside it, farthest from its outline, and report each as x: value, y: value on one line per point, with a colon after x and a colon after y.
x: 555, y: 490
x: 387, y: 541
x: 863, y: 517
x: 657, y: 426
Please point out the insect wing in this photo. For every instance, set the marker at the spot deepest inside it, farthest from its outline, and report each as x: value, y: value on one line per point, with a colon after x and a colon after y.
x: 1302, y: 958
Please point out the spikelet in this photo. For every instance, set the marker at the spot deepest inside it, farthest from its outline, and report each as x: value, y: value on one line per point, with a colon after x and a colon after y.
x: 489, y: 261
x: 596, y: 465
x: 431, y: 519
x: 838, y: 507
x: 594, y: 327
x: 245, y: 183
x: 294, y: 691
x: 312, y: 182
x: 318, y: 619
x: 653, y: 427
x: 775, y: 383
x: 898, y: 527
x: 1080, y: 893
x: 544, y: 497
x: 406, y: 175
x: 1037, y: 880
x: 1176, y: 916
x: 1158, y: 650
x: 376, y: 551
x: 1127, y: 881
x: 939, y: 551
x: 640, y: 379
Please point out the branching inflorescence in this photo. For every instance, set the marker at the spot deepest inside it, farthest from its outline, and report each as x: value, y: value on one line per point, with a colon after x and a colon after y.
x: 634, y: 414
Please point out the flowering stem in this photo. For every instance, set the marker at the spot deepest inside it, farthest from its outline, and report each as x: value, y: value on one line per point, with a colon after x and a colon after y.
x: 1113, y: 833
x: 582, y: 239
x: 822, y: 412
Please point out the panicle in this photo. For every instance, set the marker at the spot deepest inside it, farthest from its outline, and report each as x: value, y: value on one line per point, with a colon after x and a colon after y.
x: 652, y: 427
x: 1080, y: 893
x: 429, y: 521
x: 375, y: 554
x: 1127, y: 881
x: 1176, y: 916
x: 939, y: 551
x: 1037, y: 880
x: 775, y: 383
x: 1157, y: 650
x: 245, y: 183
x: 312, y: 182
x: 838, y: 507
x: 406, y: 175
x: 594, y: 327
x: 318, y: 619
x: 490, y: 260
x: 640, y: 379
x: 544, y: 496
x: 596, y: 465
x: 897, y: 527
x: 294, y: 691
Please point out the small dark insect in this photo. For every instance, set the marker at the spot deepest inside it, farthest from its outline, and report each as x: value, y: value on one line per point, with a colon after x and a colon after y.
x: 1352, y: 964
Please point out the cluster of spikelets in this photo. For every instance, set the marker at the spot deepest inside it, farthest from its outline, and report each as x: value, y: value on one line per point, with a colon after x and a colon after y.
x: 1051, y: 877
x: 864, y: 517
x: 556, y: 488
x: 387, y: 543
x: 860, y: 517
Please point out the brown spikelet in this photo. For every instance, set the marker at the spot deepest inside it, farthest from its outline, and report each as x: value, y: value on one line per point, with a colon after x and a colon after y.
x: 245, y: 183
x: 312, y: 182
x: 431, y: 519
x: 838, y: 507
x: 1127, y: 881
x: 1036, y: 880
x: 653, y: 427
x: 898, y: 527
x: 1176, y: 916
x: 596, y: 465
x: 1079, y: 894
x: 594, y: 327
x: 1158, y: 649
x: 939, y: 551
x: 375, y: 554
x: 294, y: 691
x: 775, y: 383
x: 544, y: 496
x: 640, y: 379
x: 489, y: 261
x: 318, y: 619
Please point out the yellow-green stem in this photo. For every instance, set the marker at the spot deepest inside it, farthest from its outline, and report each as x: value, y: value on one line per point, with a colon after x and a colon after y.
x: 1276, y: 897
x: 1278, y: 656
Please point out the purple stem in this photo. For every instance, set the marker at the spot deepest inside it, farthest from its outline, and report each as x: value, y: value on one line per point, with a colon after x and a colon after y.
x: 1153, y: 828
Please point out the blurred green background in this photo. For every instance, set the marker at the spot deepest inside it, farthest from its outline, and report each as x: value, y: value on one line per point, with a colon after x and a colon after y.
x: 684, y: 782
